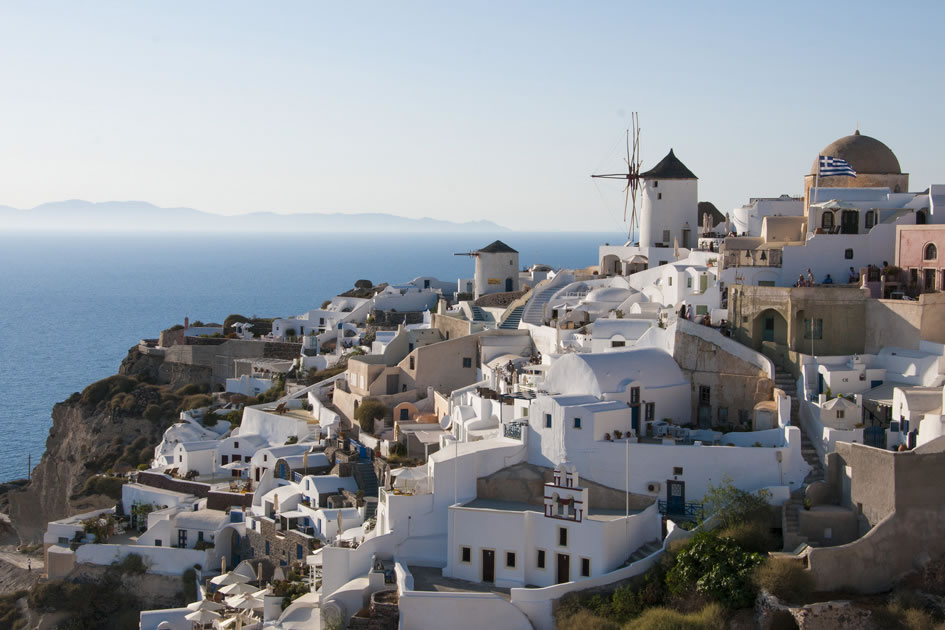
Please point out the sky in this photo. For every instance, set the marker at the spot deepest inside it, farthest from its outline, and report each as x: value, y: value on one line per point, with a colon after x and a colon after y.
x: 459, y: 111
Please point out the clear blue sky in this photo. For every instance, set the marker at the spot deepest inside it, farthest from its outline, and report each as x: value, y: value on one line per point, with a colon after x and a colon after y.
x: 496, y: 110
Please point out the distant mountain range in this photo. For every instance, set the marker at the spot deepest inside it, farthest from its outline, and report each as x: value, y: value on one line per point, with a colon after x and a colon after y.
x: 124, y: 216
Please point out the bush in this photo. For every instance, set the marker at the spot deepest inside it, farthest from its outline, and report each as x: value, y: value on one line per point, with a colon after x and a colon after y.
x: 752, y: 535
x: 584, y: 619
x: 189, y: 390
x: 153, y: 413
x: 107, y: 486
x: 195, y: 401
x: 733, y: 506
x: 368, y: 411
x: 210, y: 419
x: 716, y: 567
x: 398, y: 449
x: 9, y: 610
x: 235, y: 417
x: 203, y: 545
x: 712, y: 617
x: 106, y: 389
x: 785, y: 579
x: 189, y: 578
x: 132, y: 563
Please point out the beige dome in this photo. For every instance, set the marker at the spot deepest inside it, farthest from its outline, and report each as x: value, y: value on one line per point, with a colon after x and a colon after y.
x: 865, y: 155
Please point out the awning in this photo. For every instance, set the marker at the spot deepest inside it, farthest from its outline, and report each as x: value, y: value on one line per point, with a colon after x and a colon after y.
x: 293, y: 514
x: 637, y: 258
x: 882, y: 395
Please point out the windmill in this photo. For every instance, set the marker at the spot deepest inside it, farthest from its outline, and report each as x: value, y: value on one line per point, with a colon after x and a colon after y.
x: 632, y: 176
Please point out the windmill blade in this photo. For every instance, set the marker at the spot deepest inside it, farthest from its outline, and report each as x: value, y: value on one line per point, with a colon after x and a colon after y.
x: 626, y: 201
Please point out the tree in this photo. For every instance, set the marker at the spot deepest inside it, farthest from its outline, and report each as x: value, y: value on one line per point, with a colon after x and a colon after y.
x: 732, y: 506
x: 368, y: 411
x: 716, y: 567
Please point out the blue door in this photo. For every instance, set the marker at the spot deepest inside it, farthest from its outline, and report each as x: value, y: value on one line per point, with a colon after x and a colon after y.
x: 675, y: 497
x: 874, y: 384
x: 635, y: 419
x: 820, y: 383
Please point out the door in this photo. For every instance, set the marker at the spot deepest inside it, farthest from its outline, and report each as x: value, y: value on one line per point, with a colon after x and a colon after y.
x: 675, y: 497
x: 705, y: 417
x: 929, y: 280
x: 392, y: 384
x: 508, y: 285
x: 635, y: 419
x: 182, y: 538
x: 564, y: 568
x: 849, y: 222
x: 488, y: 565
x: 767, y: 333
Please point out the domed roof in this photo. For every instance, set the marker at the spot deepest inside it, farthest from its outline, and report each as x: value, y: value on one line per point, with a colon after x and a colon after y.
x: 865, y: 155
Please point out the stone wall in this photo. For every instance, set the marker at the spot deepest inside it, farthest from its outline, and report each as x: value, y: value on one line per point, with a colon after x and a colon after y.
x: 283, y: 548
x: 215, y: 500
x: 772, y: 614
x: 735, y: 384
x: 524, y: 483
x: 394, y: 318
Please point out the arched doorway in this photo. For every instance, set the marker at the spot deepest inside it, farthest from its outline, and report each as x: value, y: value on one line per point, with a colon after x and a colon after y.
x: 769, y: 326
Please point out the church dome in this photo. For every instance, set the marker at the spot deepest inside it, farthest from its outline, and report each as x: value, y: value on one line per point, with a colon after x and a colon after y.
x: 865, y: 155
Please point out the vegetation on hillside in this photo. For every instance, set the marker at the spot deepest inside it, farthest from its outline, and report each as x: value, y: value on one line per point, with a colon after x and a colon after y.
x: 368, y: 411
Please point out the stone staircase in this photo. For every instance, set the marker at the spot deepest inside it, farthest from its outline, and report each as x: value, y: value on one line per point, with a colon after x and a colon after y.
x: 367, y: 482
x: 478, y: 315
x: 647, y: 549
x: 792, y: 537
x: 535, y: 309
x: 512, y: 321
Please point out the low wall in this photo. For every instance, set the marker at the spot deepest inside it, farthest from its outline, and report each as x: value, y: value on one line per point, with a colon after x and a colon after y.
x: 161, y: 560
x: 464, y: 611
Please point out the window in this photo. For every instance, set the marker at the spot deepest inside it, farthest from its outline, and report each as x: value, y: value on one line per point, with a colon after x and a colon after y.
x: 524, y: 412
x: 701, y: 309
x: 225, y: 459
x: 689, y: 282
x: 547, y: 420
x: 410, y: 347
x: 403, y: 413
x: 585, y: 567
x: 677, y: 470
x: 665, y: 236
x: 618, y: 344
x: 157, y: 542
x: 577, y: 423
x: 562, y: 536
x: 870, y: 219
x: 659, y: 195
x: 65, y: 541
x: 634, y: 395
x: 818, y: 329
x: 237, y: 457
x: 649, y: 411
x: 199, y: 534
x: 656, y: 183
x: 465, y: 554
x: 411, y: 363
x: 826, y: 221
x: 236, y: 444
x: 723, y: 415
x: 298, y: 552
x: 467, y: 362
x: 267, y: 547
x: 931, y: 253
x: 510, y: 559
x: 705, y: 395
x: 670, y: 281
x: 839, y: 414
x: 265, y: 458
x: 540, y: 560
x: 848, y: 254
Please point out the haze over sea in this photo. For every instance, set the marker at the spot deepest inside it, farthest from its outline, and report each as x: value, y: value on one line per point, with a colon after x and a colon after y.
x: 72, y: 305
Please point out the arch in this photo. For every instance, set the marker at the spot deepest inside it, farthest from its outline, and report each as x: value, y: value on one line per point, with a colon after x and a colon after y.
x: 930, y: 252
x: 770, y: 326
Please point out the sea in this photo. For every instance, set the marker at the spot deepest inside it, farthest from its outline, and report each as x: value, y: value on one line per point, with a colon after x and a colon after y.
x: 72, y: 304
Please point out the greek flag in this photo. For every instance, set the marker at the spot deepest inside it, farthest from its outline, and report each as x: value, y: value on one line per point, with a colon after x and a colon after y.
x: 831, y: 166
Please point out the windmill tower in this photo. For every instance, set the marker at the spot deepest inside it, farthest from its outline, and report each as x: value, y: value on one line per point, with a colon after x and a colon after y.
x: 632, y: 176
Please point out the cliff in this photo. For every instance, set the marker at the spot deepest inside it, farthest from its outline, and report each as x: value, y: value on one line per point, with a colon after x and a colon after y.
x: 113, y: 425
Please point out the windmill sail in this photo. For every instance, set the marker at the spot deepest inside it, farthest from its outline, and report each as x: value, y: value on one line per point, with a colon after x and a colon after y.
x: 632, y: 175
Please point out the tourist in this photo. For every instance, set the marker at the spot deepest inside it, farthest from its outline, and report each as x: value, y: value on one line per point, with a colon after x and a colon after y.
x: 828, y: 280
x: 689, y: 312
x: 800, y: 281
x: 810, y: 277
x: 854, y: 276
x: 682, y: 311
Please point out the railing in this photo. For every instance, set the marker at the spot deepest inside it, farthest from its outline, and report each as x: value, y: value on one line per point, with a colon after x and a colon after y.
x: 513, y: 430
x: 689, y: 512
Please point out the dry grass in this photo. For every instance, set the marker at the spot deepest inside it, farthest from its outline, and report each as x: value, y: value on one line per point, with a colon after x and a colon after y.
x: 785, y: 579
x: 712, y: 617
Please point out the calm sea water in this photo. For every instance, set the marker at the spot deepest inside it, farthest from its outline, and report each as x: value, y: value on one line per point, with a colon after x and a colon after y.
x: 72, y: 305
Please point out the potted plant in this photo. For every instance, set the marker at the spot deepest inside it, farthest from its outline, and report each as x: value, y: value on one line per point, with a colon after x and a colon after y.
x: 618, y: 434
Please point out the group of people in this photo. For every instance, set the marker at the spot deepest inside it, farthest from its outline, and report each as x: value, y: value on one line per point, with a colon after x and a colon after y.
x: 685, y: 312
x: 809, y: 280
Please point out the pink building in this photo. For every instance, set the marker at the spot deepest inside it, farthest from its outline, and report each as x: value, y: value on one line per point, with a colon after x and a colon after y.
x: 920, y: 254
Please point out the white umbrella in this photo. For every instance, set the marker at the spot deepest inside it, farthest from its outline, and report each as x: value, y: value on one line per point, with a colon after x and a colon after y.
x: 230, y: 578
x: 238, y: 588
x: 340, y: 523
x: 244, y: 602
x: 203, y: 616
x: 205, y: 604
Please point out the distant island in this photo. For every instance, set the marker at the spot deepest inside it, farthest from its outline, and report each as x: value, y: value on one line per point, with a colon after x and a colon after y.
x: 123, y: 216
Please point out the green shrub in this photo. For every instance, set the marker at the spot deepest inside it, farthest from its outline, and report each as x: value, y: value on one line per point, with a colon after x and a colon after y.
x: 210, y: 419
x: 203, y: 545
x: 189, y: 578
x: 584, y: 619
x: 398, y: 449
x: 153, y: 413
x: 195, y: 401
x: 235, y: 417
x: 733, y: 506
x: 717, y: 568
x: 189, y: 390
x: 367, y: 412
x: 712, y: 617
x: 754, y: 535
x: 142, y: 466
x: 132, y: 563
x: 785, y: 579
x: 106, y: 389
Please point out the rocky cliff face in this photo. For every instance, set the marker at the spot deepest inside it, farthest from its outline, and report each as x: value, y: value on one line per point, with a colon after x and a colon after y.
x: 112, y: 425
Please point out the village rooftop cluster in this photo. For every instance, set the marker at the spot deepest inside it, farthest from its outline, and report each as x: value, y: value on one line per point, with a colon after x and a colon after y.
x: 527, y: 433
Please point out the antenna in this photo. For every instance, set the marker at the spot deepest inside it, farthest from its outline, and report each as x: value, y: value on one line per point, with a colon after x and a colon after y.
x: 632, y: 176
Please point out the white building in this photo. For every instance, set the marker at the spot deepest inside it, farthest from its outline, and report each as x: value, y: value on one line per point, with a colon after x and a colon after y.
x: 496, y: 270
